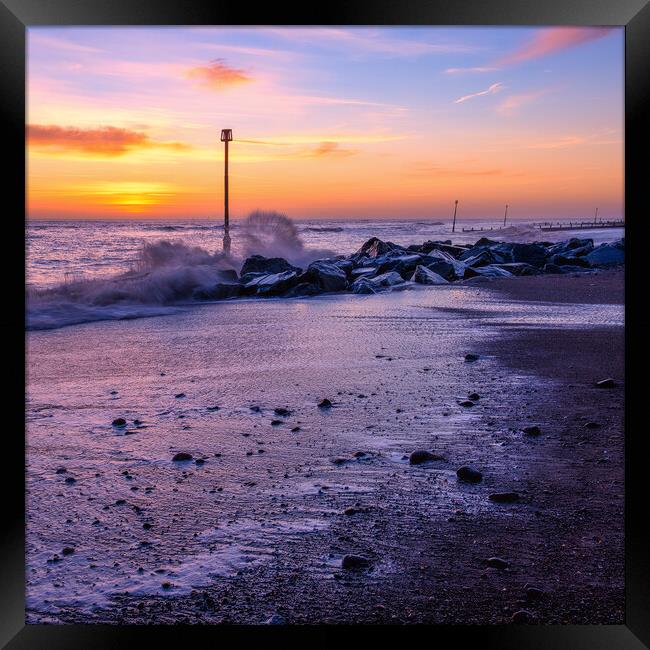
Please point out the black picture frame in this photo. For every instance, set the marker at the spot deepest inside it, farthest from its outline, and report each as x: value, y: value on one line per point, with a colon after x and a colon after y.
x: 18, y: 15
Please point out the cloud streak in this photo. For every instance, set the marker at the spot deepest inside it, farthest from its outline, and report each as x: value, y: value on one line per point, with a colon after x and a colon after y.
x: 549, y: 40
x: 512, y: 103
x: 218, y: 75
x: 494, y: 88
x: 107, y: 141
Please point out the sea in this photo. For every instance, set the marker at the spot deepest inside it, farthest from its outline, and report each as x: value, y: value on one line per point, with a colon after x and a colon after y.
x: 75, y: 269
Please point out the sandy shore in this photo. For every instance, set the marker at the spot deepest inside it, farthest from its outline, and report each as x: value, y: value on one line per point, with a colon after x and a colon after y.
x: 248, y: 536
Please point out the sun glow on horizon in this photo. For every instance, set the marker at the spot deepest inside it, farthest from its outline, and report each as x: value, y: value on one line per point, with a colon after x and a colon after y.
x: 331, y: 123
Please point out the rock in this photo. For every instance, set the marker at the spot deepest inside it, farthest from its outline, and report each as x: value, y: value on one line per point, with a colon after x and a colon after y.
x: 179, y: 395
x: 68, y: 550
x: 352, y: 562
x: 182, y: 455
x: 522, y: 616
x: 70, y: 480
x: 606, y: 383
x: 520, y: 268
x: 61, y: 470
x: 363, y: 270
x: 119, y: 422
x: 325, y: 404
x: 469, y: 474
x: 497, y: 563
x: 275, y: 423
x: 220, y: 291
x: 472, y: 357
x: 276, y: 619
x: 325, y: 275
x: 474, y: 396
x: 363, y: 285
x: 422, y: 456
x: 280, y: 410
x: 607, y: 255
x: 267, y: 265
x: 493, y: 271
x: 402, y: 264
x: 532, y: 431
x: 295, y: 430
x: 533, y: 593
x: 592, y: 425
x: 200, y: 461
x: 389, y: 279
x: 374, y: 247
x: 466, y: 403
x: 302, y: 289
x: 272, y: 284
x: 504, y: 497
x: 551, y: 268
x: 448, y: 270
x: 423, y: 275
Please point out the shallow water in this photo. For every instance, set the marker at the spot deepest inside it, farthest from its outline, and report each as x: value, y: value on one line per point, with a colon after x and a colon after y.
x: 393, y: 366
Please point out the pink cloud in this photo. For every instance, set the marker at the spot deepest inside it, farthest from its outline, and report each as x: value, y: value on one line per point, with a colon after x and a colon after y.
x: 513, y: 103
x: 218, y: 74
x: 548, y: 40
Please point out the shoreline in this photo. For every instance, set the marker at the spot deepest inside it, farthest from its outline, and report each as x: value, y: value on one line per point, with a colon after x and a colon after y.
x: 426, y: 534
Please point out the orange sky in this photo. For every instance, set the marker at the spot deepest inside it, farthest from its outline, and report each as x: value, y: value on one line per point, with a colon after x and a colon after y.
x: 332, y: 123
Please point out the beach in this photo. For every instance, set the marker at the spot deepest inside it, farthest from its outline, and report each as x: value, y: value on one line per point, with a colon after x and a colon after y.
x: 255, y: 527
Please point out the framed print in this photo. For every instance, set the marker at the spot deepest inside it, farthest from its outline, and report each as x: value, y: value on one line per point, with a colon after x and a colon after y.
x: 328, y: 322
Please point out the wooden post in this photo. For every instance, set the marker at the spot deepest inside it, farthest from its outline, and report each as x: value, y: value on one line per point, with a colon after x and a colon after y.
x: 453, y: 227
x: 505, y: 216
x: 226, y: 136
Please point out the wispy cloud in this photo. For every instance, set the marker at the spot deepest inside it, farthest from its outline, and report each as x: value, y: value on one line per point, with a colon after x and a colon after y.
x: 475, y: 69
x: 218, y: 75
x: 513, y: 103
x: 494, y: 88
x: 370, y: 41
x: 108, y: 141
x: 548, y: 40
x: 433, y: 169
x: 34, y: 38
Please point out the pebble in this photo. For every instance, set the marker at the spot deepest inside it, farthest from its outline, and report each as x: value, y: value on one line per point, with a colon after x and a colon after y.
x: 182, y: 455
x: 276, y: 619
x: 282, y: 411
x: 355, y: 562
x: 119, y: 422
x: 532, y: 431
x: 471, y: 357
x: 422, y: 456
x: 606, y: 383
x: 522, y: 616
x: 469, y: 474
x: 466, y: 403
x: 474, y: 396
x: 325, y: 404
x: 295, y: 430
x: 179, y: 395
x: 533, y: 593
x: 70, y: 480
x: 592, y: 425
x: 504, y: 497
x: 497, y: 563
x: 274, y: 423
x: 68, y: 550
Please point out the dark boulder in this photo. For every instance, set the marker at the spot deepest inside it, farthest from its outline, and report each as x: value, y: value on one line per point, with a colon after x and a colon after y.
x: 182, y: 456
x: 363, y: 285
x: 423, y: 275
x: 220, y: 291
x: 273, y: 284
x: 520, y: 268
x: 532, y: 431
x: 374, y: 247
x: 267, y: 265
x: 303, y: 289
x: 607, y: 255
x: 119, y: 422
x: 325, y: 275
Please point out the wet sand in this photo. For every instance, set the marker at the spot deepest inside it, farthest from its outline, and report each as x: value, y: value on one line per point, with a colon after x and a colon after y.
x: 270, y: 542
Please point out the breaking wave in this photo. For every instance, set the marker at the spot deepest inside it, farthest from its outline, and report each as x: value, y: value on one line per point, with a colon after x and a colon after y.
x: 163, y: 275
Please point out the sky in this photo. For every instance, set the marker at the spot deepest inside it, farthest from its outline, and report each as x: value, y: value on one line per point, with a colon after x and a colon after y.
x: 336, y: 122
